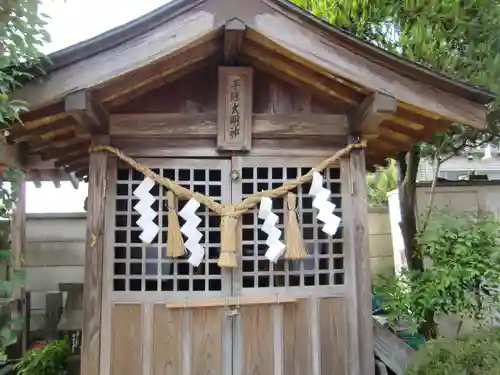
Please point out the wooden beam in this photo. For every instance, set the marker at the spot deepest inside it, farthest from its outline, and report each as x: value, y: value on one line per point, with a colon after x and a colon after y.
x: 11, y: 155
x: 58, y: 141
x: 311, y: 47
x: 88, y: 112
x: 203, y: 125
x: 57, y: 152
x: 234, y: 35
x: 302, y: 73
x: 365, y: 120
x: 22, y: 134
x: 36, y: 178
x: 75, y: 157
x: 162, y: 41
x: 75, y: 182
x: 117, y: 94
x: 359, y: 260
x: 92, y: 290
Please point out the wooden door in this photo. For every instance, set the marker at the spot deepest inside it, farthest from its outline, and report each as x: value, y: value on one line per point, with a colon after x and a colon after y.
x: 304, y: 337
x: 140, y: 335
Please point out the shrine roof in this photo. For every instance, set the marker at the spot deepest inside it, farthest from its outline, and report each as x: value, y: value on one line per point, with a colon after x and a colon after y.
x: 112, y: 68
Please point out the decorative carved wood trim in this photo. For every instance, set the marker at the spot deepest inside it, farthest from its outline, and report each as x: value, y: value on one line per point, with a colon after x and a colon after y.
x: 367, y: 117
x: 234, y: 115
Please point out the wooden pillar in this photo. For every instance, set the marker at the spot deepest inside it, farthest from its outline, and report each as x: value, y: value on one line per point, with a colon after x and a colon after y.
x: 92, y: 292
x: 361, y: 257
x: 18, y: 245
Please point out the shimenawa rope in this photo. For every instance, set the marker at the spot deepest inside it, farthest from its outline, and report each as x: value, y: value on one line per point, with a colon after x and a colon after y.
x: 229, y: 213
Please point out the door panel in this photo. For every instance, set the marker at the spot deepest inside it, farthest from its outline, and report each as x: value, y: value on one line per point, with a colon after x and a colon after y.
x: 139, y: 332
x: 306, y: 336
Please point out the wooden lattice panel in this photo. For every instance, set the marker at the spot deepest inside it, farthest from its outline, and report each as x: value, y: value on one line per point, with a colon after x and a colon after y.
x: 139, y: 267
x: 324, y: 265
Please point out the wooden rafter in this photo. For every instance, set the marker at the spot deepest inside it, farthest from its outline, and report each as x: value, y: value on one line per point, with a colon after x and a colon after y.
x: 23, y: 134
x: 147, y: 78
x: 234, y: 35
x: 89, y: 113
x: 302, y: 73
x: 68, y: 149
x: 72, y: 158
x: 365, y: 120
x: 311, y: 48
x: 115, y: 62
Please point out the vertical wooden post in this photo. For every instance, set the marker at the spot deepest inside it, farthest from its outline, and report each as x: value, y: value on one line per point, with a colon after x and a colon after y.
x: 92, y: 289
x: 361, y: 254
x: 18, y: 244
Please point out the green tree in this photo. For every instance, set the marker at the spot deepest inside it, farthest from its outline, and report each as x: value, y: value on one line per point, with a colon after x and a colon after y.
x: 380, y: 183
x: 22, y: 35
x: 455, y: 37
x: 464, y: 275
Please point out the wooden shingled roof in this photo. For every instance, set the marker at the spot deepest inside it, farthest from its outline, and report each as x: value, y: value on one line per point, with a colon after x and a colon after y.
x: 87, y: 81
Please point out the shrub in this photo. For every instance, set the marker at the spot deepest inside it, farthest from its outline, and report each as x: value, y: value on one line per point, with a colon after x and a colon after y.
x: 463, y: 278
x: 51, y: 360
x: 472, y: 354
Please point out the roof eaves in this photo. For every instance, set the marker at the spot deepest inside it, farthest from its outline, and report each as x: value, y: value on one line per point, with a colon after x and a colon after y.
x: 466, y: 90
x: 118, y: 35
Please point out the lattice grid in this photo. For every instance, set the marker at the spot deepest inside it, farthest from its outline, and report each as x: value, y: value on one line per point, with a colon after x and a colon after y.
x: 324, y: 265
x: 141, y: 267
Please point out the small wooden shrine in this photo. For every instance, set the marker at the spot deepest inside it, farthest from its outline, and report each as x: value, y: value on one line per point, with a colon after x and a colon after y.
x: 225, y: 144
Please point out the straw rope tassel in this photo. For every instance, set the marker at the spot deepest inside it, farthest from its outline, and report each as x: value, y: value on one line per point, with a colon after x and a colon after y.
x: 293, y: 235
x: 175, y: 242
x: 229, y: 226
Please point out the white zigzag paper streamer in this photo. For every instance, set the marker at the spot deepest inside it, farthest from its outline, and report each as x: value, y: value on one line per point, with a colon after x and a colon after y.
x: 275, y: 246
x: 143, y: 207
x: 189, y: 229
x: 325, y: 207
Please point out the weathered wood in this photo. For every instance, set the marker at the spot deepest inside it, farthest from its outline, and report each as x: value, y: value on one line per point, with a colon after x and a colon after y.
x: 59, y: 152
x: 10, y: 155
x: 93, y: 260
x: 231, y: 301
x: 381, y: 368
x: 59, y: 140
x: 21, y: 134
x: 234, y: 114
x: 75, y: 182
x: 298, y: 125
x: 88, y: 112
x: 302, y: 43
x: 165, y: 70
x: 53, y: 312
x: 177, y: 125
x: 36, y: 177
x: 126, y: 341
x: 124, y: 58
x: 168, y: 125
x: 234, y: 35
x: 394, y: 352
x: 361, y: 254
x: 73, y: 157
x: 301, y: 73
x: 365, y: 120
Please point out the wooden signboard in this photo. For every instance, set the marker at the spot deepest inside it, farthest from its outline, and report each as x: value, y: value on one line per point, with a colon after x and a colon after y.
x: 235, y: 109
